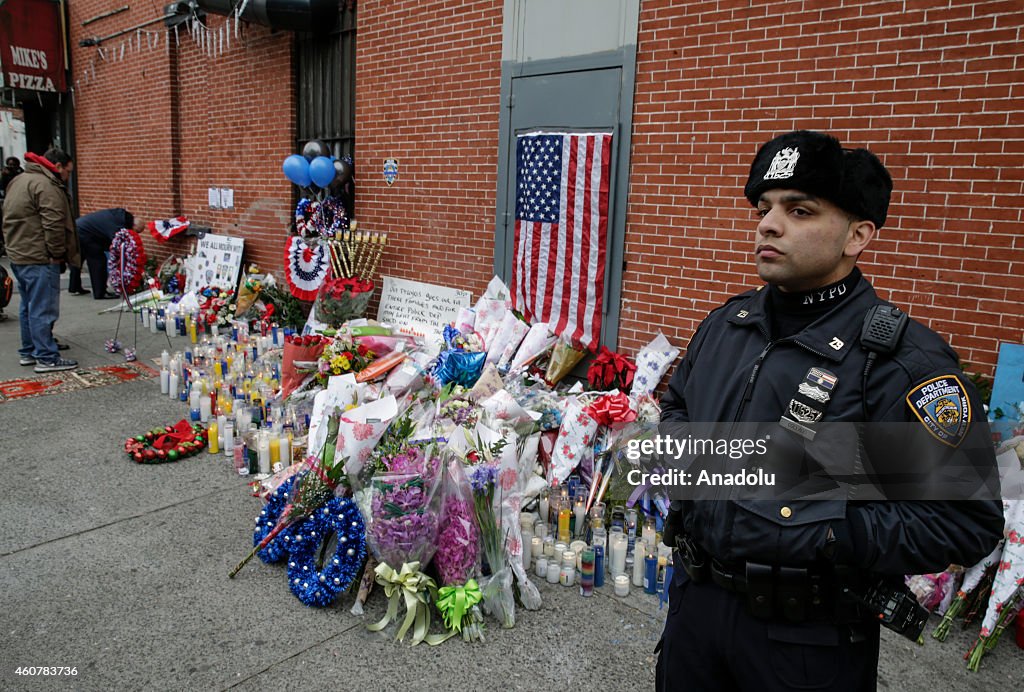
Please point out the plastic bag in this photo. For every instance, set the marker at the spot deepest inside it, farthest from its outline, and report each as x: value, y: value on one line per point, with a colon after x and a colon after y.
x: 458, y: 542
x: 401, y: 509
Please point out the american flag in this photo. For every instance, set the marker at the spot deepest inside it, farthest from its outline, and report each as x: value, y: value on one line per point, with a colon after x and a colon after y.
x: 562, y: 183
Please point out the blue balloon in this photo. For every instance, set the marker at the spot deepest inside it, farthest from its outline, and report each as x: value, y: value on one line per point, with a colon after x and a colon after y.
x: 296, y: 169
x: 321, y: 170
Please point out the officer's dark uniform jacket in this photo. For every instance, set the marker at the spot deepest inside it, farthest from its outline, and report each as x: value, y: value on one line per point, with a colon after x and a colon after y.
x: 733, y: 371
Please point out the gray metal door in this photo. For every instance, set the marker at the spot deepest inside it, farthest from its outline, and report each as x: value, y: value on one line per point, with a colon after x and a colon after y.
x: 587, y: 100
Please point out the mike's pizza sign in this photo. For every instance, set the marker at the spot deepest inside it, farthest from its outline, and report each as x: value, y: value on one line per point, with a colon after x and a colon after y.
x: 32, y: 45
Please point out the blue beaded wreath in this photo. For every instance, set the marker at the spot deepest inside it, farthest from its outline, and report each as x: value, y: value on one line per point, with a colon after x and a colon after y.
x: 320, y: 588
x: 267, y: 520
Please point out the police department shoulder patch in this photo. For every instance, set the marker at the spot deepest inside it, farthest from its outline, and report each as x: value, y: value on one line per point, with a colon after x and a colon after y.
x: 944, y: 408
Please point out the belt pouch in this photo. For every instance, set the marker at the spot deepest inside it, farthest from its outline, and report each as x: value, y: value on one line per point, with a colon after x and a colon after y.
x: 793, y: 593
x: 760, y: 595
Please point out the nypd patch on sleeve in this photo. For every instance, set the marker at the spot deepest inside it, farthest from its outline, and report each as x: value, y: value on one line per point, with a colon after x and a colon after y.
x: 944, y: 408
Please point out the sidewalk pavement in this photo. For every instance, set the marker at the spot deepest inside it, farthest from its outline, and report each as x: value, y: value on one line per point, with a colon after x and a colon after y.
x: 120, y: 570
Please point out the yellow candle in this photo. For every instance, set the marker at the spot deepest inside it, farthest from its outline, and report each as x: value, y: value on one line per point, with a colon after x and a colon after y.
x: 275, y: 450
x: 211, y: 434
x: 218, y: 371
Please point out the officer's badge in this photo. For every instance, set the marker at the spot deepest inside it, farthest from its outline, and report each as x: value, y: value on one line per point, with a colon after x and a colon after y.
x: 809, y: 403
x: 944, y: 408
x: 783, y: 165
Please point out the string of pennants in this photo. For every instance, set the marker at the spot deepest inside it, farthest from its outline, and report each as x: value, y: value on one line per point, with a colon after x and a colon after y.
x: 211, y: 42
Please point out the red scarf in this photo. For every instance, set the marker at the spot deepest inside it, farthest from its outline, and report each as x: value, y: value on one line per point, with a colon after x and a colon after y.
x: 42, y: 161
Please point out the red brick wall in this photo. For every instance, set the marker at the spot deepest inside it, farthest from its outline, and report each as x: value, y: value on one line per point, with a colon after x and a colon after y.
x: 157, y: 127
x: 427, y: 94
x: 938, y: 94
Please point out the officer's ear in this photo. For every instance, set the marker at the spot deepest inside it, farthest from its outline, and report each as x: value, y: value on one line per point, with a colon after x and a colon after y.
x: 858, y: 235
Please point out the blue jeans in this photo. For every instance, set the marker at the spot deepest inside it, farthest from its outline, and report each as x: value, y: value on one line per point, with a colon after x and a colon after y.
x: 39, y: 288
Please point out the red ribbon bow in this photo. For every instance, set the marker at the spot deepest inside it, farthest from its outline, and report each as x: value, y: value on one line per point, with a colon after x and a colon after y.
x: 611, y: 409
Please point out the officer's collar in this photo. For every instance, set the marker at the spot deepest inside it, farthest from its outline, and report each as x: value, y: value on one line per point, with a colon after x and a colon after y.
x: 831, y: 336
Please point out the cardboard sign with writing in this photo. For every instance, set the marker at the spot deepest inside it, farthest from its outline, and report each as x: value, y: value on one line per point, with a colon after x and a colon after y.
x: 217, y: 262
x: 424, y: 308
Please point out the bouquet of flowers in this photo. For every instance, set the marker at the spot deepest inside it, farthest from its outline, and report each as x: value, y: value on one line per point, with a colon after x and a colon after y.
x: 342, y: 355
x: 215, y: 306
x: 458, y: 556
x: 341, y: 299
x: 402, y: 513
x: 171, y: 275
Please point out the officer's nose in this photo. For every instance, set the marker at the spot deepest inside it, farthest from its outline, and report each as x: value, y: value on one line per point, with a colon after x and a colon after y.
x: 770, y: 222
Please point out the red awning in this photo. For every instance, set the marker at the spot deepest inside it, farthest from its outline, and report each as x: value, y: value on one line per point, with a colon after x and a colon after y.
x: 32, y: 45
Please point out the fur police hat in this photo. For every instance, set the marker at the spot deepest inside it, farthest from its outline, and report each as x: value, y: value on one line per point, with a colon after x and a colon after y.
x: 852, y: 179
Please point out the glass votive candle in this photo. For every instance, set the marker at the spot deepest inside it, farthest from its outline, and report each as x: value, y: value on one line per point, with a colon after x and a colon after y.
x: 554, y: 571
x: 542, y: 567
x: 621, y: 585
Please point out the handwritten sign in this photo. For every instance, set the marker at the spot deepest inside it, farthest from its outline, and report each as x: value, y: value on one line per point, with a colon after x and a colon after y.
x: 217, y: 262
x: 419, y: 305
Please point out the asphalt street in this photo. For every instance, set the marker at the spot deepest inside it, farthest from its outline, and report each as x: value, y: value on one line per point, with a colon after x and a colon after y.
x: 119, y: 571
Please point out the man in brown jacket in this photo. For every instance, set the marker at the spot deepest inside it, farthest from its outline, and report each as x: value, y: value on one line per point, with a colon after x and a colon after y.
x: 39, y: 228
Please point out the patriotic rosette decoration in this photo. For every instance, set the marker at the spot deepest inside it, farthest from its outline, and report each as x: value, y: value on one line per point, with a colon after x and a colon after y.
x: 127, y: 261
x: 165, y: 229
x: 305, y: 267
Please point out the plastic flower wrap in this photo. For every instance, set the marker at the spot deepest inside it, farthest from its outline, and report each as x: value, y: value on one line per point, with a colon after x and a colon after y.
x: 401, y: 507
x: 458, y: 555
x: 564, y: 358
x: 575, y: 443
x: 498, y: 598
x: 299, y: 361
x: 610, y: 370
x: 249, y: 291
x: 506, y: 339
x: 652, y: 363
x: 342, y: 299
x: 538, y: 340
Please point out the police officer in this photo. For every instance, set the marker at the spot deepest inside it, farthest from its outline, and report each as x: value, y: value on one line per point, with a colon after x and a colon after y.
x: 779, y: 592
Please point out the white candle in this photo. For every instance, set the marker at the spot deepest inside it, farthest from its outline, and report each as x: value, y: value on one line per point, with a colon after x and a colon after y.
x: 152, y: 322
x: 165, y: 359
x: 622, y: 585
x: 581, y: 516
x: 618, y: 547
x: 542, y: 567
x: 639, y: 552
x: 559, y: 549
x: 553, y: 572
x: 527, y: 544
x: 172, y: 385
x: 537, y: 544
x: 286, y: 451
x: 229, y: 439
x: 221, y: 422
x: 144, y: 315
x: 544, y: 505
x: 205, y: 409
x: 263, y: 452
x: 164, y: 380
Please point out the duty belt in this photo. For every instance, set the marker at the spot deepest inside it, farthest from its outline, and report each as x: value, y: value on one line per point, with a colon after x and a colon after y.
x: 796, y: 594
